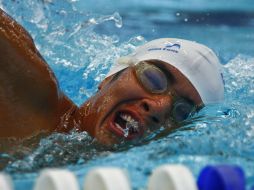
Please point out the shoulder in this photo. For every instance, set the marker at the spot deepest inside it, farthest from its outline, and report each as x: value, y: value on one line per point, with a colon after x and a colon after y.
x: 29, y: 92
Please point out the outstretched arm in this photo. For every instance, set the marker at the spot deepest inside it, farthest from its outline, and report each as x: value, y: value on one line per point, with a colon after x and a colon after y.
x: 30, y: 100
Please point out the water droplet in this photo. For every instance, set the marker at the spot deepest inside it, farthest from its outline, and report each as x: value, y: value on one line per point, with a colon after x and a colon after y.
x: 129, y: 125
x: 92, y: 21
x: 73, y: 1
x: 118, y: 20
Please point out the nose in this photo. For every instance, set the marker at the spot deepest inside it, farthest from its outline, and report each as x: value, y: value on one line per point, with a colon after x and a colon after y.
x: 156, y: 110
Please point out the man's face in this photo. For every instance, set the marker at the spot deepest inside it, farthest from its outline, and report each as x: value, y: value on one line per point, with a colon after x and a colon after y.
x: 123, y: 109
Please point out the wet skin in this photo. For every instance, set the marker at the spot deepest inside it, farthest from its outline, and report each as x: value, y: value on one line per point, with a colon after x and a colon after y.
x: 123, y: 93
x: 30, y: 99
x: 32, y: 103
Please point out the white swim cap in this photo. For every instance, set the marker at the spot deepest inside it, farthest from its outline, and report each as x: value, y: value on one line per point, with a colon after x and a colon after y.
x: 195, y: 61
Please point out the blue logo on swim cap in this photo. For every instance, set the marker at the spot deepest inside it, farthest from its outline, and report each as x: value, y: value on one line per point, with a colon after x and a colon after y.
x: 169, y: 47
x: 173, y: 45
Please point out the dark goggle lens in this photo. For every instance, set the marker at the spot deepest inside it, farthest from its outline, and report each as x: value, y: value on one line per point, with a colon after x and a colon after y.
x: 153, y: 79
x: 182, y: 110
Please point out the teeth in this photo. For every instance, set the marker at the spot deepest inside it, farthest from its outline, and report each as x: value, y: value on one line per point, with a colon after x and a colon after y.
x: 127, y: 118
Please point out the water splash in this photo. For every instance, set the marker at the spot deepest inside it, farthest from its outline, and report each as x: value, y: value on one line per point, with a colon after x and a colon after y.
x: 115, y: 17
x: 66, y: 39
x: 91, y: 22
x: 54, y: 151
x: 130, y: 125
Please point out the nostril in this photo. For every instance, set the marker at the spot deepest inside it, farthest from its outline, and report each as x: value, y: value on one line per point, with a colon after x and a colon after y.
x: 155, y: 119
x: 145, y: 106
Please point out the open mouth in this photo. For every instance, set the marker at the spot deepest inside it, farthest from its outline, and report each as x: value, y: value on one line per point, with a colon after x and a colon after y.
x: 127, y: 125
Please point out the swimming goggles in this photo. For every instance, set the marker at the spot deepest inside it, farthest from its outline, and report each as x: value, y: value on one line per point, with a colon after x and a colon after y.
x: 154, y: 80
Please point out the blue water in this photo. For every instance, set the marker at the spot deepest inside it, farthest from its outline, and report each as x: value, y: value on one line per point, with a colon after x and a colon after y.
x: 81, y: 39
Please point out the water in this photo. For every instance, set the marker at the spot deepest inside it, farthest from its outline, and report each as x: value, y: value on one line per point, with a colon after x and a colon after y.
x: 80, y: 41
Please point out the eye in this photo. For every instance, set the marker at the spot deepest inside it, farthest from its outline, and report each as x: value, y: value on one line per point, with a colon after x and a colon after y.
x: 181, y: 110
x: 154, y: 79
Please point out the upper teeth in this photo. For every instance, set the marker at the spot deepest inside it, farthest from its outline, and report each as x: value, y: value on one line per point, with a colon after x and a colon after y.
x: 127, y: 117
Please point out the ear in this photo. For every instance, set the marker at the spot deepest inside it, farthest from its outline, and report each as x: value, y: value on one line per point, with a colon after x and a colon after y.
x: 104, y: 82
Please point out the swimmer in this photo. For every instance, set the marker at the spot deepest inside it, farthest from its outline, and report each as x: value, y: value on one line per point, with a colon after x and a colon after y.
x: 164, y: 80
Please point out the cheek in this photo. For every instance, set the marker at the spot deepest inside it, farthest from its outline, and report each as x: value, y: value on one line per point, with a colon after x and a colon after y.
x: 104, y: 102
